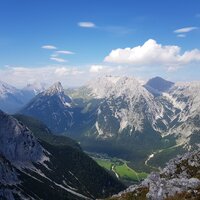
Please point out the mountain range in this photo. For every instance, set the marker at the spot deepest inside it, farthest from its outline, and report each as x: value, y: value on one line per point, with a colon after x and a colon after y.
x: 13, y: 99
x: 119, y: 115
x: 35, y: 164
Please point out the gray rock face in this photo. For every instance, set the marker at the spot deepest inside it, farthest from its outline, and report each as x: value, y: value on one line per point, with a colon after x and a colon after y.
x: 18, y: 148
x: 6, y: 194
x: 8, y: 175
x: 181, y: 174
x: 17, y: 143
x: 161, y: 188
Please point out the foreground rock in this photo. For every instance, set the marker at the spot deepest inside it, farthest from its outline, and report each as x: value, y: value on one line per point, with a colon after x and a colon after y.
x: 180, y: 179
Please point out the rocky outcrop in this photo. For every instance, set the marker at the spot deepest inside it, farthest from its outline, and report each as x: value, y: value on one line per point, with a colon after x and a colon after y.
x: 17, y: 142
x: 180, y: 177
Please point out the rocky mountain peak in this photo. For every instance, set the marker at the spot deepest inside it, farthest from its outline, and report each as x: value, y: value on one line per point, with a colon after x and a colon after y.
x: 159, y: 84
x: 6, y: 88
x: 55, y: 89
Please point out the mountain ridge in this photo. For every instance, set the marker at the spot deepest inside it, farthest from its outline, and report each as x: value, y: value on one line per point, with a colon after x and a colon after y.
x: 65, y: 168
x: 121, y: 113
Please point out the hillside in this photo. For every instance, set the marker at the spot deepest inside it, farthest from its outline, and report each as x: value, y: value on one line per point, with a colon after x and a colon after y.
x: 30, y: 169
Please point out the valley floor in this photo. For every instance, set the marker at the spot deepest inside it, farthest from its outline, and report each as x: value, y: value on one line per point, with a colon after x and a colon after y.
x: 119, y: 168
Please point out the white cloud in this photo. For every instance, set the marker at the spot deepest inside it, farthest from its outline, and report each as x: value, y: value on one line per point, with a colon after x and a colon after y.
x: 67, y: 75
x: 185, y: 29
x: 50, y: 47
x: 96, y: 68
x: 60, y: 60
x: 87, y: 24
x: 20, y: 76
x: 106, y: 70
x: 62, y: 71
x: 181, y: 35
x: 153, y: 54
x: 64, y: 52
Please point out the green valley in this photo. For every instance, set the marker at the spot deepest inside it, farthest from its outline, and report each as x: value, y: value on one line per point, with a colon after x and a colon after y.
x: 119, y: 168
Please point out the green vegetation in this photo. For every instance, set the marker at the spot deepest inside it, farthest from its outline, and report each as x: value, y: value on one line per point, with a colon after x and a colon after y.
x: 165, y: 155
x: 79, y: 93
x: 44, y: 134
x: 104, y: 163
x: 126, y: 172
x: 121, y: 169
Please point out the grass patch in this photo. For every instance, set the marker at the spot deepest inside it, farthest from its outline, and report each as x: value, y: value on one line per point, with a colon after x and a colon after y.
x: 104, y: 163
x: 126, y: 172
x: 121, y: 168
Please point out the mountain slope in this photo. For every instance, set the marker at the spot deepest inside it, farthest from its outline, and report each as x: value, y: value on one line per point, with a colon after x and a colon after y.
x: 33, y: 168
x: 187, y: 96
x: 52, y: 107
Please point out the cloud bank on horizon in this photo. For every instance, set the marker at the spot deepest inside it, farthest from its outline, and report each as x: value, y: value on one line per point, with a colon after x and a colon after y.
x: 126, y: 61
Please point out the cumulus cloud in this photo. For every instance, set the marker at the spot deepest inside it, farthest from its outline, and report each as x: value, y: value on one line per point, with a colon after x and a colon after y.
x: 60, y: 60
x: 153, y: 54
x: 50, y: 47
x: 86, y: 24
x: 185, y: 29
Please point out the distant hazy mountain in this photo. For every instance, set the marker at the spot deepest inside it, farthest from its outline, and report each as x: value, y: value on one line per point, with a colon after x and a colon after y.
x: 13, y: 99
x: 30, y: 169
x: 159, y: 84
x: 35, y: 88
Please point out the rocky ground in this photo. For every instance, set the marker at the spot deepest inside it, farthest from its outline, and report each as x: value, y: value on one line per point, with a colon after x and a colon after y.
x: 180, y: 179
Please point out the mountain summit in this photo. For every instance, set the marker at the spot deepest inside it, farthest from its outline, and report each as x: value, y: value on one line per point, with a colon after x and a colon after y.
x: 159, y: 84
x: 55, y: 88
x: 52, y: 107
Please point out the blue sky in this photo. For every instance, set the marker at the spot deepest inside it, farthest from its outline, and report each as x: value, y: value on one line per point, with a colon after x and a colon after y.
x: 84, y: 32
